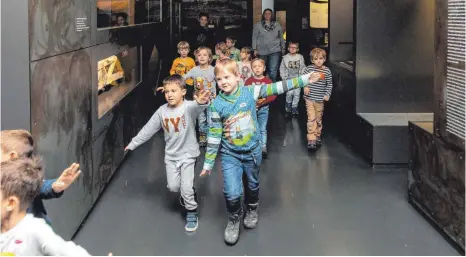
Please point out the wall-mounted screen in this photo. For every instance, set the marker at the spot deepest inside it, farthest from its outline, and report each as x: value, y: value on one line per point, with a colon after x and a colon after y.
x: 122, y: 13
x: 117, y: 75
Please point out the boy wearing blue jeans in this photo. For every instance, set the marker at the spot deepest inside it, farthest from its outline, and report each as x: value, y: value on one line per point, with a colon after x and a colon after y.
x: 233, y: 123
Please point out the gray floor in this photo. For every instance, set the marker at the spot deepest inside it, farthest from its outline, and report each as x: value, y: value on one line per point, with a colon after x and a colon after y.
x: 327, y: 203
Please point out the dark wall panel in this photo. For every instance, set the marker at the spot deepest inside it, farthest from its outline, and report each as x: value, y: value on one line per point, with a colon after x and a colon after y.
x: 394, y: 55
x: 61, y: 127
x: 341, y: 30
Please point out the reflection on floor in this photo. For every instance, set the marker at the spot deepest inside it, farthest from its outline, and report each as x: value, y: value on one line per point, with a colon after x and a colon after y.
x: 327, y: 203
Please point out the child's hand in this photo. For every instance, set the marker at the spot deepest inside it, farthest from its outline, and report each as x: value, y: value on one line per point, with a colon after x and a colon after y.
x: 205, y: 172
x: 307, y: 91
x: 160, y: 89
x: 127, y: 149
x: 202, y: 97
x: 68, y: 176
x: 110, y: 254
x: 315, y: 76
x: 326, y: 98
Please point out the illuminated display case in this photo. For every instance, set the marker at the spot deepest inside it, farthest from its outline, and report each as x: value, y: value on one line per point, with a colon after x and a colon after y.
x: 123, y: 13
x: 117, y: 75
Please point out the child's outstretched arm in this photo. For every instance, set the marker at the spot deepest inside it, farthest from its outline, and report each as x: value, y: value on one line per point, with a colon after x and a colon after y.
x: 214, y: 138
x: 151, y: 127
x: 283, y: 70
x: 281, y: 87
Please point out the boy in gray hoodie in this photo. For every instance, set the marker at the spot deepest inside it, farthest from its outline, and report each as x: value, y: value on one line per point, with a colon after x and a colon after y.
x: 291, y: 67
x: 177, y: 119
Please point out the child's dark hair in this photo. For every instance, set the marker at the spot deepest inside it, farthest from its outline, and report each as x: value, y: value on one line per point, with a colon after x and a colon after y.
x: 203, y: 14
x: 175, y: 79
x: 22, y: 178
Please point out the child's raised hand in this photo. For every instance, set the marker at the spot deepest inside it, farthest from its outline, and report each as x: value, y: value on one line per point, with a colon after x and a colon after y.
x: 203, y: 97
x: 307, y: 91
x: 205, y: 173
x: 160, y: 89
x: 68, y: 176
x: 315, y: 76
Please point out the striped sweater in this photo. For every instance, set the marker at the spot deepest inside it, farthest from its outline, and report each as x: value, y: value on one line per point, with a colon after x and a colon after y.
x: 322, y: 87
x: 233, y: 120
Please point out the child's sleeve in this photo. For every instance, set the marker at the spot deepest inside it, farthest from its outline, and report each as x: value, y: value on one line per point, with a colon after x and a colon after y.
x: 46, y: 191
x: 189, y: 74
x: 328, y: 78
x: 151, y: 127
x: 279, y: 88
x: 52, y: 244
x: 303, y: 66
x: 194, y: 108
x: 191, y: 64
x: 172, y: 70
x: 214, y: 137
x: 283, y: 69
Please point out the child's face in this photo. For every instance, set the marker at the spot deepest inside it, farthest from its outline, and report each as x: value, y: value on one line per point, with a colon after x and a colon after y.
x: 244, y: 56
x: 318, y: 61
x: 174, y: 94
x: 203, y: 57
x: 227, y: 81
x: 258, y: 69
x: 293, y: 49
x: 203, y: 21
x: 183, y: 52
x: 230, y: 43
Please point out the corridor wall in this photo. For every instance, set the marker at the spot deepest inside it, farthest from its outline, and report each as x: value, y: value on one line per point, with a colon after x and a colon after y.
x: 65, y: 48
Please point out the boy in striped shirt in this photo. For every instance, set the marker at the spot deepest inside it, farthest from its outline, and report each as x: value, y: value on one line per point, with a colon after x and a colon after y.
x: 315, y: 95
x: 233, y: 124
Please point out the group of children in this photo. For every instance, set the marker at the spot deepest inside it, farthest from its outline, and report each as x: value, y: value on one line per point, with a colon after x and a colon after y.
x: 231, y: 106
x: 232, y: 120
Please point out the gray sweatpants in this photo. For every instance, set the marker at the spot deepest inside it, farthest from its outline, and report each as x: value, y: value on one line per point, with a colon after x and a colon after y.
x: 292, y: 97
x: 180, y: 178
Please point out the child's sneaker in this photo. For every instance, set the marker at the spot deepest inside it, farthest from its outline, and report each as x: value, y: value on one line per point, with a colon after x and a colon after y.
x: 202, y: 140
x: 192, y: 221
x: 288, y: 107
x: 295, y: 111
x: 311, y: 145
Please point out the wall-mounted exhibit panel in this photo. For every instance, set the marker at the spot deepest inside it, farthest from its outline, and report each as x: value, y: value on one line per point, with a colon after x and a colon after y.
x: 450, y: 71
x: 57, y: 27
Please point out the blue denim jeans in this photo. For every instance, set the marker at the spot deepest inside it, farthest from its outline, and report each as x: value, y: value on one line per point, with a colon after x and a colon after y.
x: 234, y: 165
x: 272, y: 62
x: 262, y: 119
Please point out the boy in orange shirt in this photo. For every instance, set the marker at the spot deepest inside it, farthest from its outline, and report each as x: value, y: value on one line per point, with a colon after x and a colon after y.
x: 182, y: 65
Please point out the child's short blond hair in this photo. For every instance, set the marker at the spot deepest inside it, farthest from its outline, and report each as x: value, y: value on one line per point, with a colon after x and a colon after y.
x: 233, y: 39
x: 183, y: 45
x: 318, y: 52
x: 226, y: 64
x: 17, y: 140
x: 293, y: 43
x: 209, y: 52
x: 222, y: 47
x: 258, y: 60
x: 175, y: 79
x: 22, y: 178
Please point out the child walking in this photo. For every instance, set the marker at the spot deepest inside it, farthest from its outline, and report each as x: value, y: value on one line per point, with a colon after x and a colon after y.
x: 315, y: 95
x: 183, y: 64
x: 244, y: 65
x: 292, y: 66
x: 233, y: 124
x: 177, y: 119
x: 204, y: 80
x: 262, y: 105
